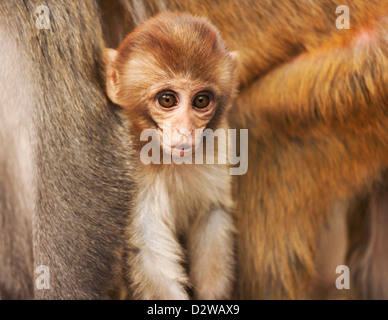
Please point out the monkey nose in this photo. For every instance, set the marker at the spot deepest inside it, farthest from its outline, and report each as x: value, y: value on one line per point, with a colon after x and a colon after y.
x: 185, y: 132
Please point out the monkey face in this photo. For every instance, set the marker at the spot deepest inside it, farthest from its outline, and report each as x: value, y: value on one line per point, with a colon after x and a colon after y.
x: 174, y: 75
x: 181, y: 111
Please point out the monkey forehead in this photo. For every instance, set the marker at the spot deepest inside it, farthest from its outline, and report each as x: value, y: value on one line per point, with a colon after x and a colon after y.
x: 147, y: 72
x: 180, y: 84
x: 176, y: 43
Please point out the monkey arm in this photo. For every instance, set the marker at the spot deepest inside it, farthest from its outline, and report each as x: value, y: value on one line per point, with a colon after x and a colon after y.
x: 330, y: 86
x: 210, y: 247
x: 155, y: 256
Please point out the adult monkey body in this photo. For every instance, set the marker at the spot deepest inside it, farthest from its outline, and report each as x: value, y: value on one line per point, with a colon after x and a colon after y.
x: 79, y: 217
x: 60, y: 114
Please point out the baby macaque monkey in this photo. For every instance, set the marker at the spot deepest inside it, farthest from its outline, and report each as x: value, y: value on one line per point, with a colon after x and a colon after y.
x: 174, y: 74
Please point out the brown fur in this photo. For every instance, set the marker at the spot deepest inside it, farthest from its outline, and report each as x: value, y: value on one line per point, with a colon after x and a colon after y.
x: 327, y: 144
x: 367, y: 256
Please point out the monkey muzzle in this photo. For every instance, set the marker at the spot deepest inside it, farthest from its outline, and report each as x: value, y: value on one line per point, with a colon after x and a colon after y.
x: 179, y: 150
x: 180, y: 142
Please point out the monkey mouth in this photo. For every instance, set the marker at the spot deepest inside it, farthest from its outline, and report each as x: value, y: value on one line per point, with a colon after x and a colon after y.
x: 178, y: 150
x: 182, y: 150
x: 185, y: 147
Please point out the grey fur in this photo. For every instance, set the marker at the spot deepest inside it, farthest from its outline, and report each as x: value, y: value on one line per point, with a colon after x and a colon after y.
x: 79, y: 157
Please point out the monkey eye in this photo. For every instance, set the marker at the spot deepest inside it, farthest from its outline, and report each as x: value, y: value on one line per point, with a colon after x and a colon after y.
x: 201, y: 101
x: 167, y: 100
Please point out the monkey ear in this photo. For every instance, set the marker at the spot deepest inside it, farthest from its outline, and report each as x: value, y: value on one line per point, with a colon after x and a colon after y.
x: 111, y: 74
x: 235, y: 57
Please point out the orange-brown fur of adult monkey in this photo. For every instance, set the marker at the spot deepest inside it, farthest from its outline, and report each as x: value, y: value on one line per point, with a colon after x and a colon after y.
x: 317, y: 130
x: 176, y: 69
